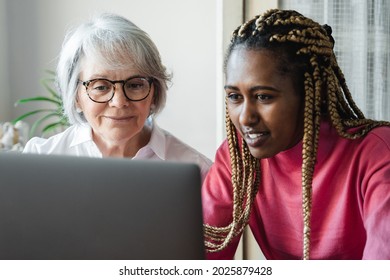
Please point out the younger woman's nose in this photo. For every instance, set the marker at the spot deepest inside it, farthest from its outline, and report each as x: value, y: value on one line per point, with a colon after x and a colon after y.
x: 249, y: 114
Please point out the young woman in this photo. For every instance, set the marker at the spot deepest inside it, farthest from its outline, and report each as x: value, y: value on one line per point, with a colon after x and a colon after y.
x: 301, y: 164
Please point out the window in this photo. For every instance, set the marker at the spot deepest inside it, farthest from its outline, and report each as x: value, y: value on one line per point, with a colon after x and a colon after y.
x: 361, y: 29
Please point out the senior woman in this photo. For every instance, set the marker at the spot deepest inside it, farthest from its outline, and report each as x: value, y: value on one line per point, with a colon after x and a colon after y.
x: 112, y: 83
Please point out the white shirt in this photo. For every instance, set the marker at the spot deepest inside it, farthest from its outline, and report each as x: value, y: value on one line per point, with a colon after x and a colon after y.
x: 77, y: 141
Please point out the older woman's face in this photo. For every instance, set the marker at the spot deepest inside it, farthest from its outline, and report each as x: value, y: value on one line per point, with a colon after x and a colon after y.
x: 119, y: 120
x: 262, y: 103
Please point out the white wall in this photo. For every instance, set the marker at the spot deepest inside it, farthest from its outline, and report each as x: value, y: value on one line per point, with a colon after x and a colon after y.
x: 183, y: 30
x: 4, y: 89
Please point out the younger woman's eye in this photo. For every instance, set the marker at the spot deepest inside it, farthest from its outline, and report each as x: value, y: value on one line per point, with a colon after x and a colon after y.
x: 263, y: 97
x: 233, y: 97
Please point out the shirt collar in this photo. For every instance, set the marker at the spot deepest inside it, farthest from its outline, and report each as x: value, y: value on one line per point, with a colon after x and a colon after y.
x: 83, y: 134
x: 157, y: 141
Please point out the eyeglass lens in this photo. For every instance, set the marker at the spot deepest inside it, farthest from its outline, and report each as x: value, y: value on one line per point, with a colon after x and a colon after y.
x: 101, y: 90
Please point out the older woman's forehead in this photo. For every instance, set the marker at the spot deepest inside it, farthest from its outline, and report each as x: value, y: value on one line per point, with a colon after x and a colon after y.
x: 114, y: 58
x: 114, y: 55
x: 99, y: 67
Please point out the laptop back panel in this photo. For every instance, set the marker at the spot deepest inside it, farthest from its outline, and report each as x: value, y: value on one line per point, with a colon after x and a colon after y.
x: 59, y: 207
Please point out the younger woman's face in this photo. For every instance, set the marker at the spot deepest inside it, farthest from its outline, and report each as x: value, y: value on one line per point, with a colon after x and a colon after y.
x: 262, y: 102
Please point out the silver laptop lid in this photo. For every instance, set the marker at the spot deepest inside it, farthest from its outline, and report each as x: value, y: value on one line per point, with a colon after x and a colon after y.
x: 62, y: 207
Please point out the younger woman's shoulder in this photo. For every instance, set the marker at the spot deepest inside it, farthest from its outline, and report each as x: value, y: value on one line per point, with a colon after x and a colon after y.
x: 379, y: 135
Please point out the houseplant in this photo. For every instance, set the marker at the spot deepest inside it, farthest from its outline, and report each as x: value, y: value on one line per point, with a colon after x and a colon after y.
x: 50, y: 118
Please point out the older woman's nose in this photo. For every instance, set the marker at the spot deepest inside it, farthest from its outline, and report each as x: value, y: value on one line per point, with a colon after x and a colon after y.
x: 119, y: 99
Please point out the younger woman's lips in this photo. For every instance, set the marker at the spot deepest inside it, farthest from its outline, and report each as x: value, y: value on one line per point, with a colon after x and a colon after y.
x: 256, y: 139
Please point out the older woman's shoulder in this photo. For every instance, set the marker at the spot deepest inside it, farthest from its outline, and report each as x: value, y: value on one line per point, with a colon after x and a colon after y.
x: 55, y: 143
x: 177, y: 149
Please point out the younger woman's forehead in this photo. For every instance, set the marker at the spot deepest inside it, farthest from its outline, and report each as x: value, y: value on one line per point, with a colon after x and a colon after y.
x: 255, y: 59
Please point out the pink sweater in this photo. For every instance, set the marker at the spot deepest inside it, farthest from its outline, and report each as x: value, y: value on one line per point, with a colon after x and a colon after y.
x: 351, y: 199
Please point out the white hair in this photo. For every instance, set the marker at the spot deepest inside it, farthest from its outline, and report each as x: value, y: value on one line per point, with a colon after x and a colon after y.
x: 113, y: 41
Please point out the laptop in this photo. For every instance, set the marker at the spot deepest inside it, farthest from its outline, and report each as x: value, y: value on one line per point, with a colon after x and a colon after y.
x: 76, y: 208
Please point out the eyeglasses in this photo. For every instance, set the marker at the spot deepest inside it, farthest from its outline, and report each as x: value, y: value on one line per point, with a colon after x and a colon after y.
x: 103, y: 90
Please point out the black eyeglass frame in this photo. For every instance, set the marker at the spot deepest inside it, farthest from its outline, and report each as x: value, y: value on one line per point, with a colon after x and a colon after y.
x: 123, y: 82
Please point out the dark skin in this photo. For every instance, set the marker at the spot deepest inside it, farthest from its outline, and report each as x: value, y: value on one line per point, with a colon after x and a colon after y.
x: 263, y: 103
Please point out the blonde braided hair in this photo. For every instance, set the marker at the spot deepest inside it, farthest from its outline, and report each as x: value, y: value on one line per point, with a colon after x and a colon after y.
x: 309, y: 48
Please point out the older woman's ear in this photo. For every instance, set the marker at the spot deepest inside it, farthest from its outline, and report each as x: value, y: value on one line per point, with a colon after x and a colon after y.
x: 152, y: 108
x: 77, y: 106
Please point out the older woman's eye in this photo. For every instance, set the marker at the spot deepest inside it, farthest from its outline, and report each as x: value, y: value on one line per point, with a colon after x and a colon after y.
x: 100, y: 86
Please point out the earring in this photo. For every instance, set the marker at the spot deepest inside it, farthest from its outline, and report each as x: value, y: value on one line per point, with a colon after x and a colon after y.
x: 78, y: 110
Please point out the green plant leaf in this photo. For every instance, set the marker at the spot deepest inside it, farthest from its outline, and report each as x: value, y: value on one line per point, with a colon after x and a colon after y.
x: 38, y: 98
x: 54, y: 98
x: 50, y: 72
x: 53, y: 93
x: 51, y: 126
x: 40, y: 121
x: 22, y: 117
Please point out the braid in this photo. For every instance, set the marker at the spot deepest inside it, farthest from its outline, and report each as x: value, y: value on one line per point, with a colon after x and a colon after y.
x: 245, y: 180
x: 308, y: 48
